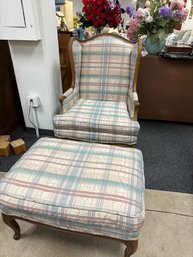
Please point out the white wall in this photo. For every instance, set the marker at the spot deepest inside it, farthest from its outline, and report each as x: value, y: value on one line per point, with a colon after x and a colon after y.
x: 37, y: 67
x: 188, y: 24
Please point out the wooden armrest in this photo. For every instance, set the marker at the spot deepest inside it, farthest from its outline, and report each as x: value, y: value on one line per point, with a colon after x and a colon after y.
x: 61, y: 100
x: 136, y: 105
x: 133, y: 104
x: 62, y: 97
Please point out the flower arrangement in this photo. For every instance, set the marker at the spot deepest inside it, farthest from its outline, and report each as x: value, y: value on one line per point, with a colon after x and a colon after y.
x: 157, y: 19
x: 99, y: 13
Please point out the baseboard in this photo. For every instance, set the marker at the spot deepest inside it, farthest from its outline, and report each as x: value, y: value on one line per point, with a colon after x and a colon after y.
x: 42, y: 132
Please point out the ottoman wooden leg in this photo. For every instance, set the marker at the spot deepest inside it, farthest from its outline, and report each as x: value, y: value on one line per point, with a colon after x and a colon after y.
x: 12, y: 223
x: 131, y: 247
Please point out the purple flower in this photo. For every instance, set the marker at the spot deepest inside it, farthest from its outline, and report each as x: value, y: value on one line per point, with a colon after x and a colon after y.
x: 130, y: 10
x: 112, y: 4
x: 181, y: 15
x: 165, y: 11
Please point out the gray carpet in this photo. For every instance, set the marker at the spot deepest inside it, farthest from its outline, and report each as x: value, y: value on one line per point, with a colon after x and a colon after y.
x: 168, y: 155
x: 167, y: 149
x: 7, y: 162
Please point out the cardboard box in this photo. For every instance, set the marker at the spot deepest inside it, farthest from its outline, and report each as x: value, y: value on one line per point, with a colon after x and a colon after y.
x: 5, y: 148
x: 5, y: 138
x: 18, y: 146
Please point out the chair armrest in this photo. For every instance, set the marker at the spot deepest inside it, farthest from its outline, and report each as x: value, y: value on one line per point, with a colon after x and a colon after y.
x: 68, y: 99
x: 133, y: 104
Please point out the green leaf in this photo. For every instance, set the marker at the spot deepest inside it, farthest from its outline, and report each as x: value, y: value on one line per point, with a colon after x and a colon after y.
x: 161, y: 34
x: 163, y: 22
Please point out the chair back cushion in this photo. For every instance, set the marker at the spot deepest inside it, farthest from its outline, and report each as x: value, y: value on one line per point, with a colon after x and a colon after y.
x: 105, y: 68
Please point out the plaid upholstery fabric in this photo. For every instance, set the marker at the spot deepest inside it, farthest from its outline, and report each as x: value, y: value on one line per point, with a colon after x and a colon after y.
x: 77, y: 55
x: 105, y: 69
x: 97, y: 121
x: 74, y: 96
x: 90, y: 136
x: 78, y: 186
x: 71, y: 99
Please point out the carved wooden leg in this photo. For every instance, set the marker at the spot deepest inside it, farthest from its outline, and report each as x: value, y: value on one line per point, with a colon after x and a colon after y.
x: 131, y: 247
x: 11, y: 222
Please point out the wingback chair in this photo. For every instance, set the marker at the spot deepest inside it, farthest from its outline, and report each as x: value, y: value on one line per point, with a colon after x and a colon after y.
x: 102, y: 104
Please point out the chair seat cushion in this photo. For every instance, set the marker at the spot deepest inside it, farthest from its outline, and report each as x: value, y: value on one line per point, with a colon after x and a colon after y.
x: 79, y: 186
x: 101, y: 121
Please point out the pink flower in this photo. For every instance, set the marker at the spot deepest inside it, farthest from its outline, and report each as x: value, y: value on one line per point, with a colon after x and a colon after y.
x: 134, y: 24
x: 133, y: 27
x: 142, y: 13
x: 181, y: 15
x: 159, y: 18
x: 177, y: 4
x: 139, y: 13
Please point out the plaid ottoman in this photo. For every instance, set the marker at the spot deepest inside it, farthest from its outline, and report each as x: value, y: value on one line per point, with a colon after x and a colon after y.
x: 82, y: 187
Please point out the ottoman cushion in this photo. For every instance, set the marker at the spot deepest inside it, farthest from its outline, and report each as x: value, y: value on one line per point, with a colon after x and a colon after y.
x: 78, y: 186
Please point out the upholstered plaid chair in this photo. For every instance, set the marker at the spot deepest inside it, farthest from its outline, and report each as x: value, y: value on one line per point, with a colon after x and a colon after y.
x: 101, y: 105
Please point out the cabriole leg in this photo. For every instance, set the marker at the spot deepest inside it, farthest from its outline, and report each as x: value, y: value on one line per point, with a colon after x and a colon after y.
x: 11, y: 222
x: 131, y: 247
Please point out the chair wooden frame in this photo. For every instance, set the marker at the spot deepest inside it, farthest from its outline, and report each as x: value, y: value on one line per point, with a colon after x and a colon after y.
x: 73, y: 72
x: 131, y: 246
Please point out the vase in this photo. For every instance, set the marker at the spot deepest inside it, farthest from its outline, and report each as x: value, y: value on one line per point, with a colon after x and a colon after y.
x: 152, y: 46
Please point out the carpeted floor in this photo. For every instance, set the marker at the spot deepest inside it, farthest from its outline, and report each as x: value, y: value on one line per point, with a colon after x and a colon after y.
x: 7, y: 162
x: 168, y: 155
x: 168, y: 232
x: 167, y: 150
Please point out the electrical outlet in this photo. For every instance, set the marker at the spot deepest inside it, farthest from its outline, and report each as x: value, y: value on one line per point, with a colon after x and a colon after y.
x: 33, y: 101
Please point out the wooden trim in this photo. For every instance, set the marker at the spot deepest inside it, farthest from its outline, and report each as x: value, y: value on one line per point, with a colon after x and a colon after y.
x: 137, y: 65
x: 117, y: 37
x: 137, y: 105
x: 105, y: 35
x: 73, y: 74
x: 140, y: 46
x: 72, y: 65
x: 61, y: 100
x: 131, y: 246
